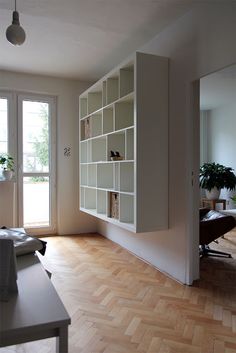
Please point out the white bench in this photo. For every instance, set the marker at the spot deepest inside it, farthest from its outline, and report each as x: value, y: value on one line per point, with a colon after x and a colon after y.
x: 36, y: 311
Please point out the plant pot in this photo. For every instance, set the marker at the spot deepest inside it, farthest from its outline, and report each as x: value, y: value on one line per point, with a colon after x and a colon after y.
x: 7, y: 174
x: 214, y: 194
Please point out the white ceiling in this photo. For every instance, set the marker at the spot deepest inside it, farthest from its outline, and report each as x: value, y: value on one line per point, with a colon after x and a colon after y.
x: 218, y: 88
x: 83, y: 38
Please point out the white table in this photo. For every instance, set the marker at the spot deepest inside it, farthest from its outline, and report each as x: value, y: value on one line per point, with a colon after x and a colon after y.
x: 36, y: 312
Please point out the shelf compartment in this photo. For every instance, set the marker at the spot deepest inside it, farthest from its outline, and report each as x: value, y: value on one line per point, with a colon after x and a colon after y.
x: 84, y: 175
x: 112, y: 89
x: 126, y: 81
x: 105, y: 176
x: 116, y: 169
x: 124, y: 115
x: 129, y: 144
x: 82, y: 197
x: 83, y: 152
x: 126, y: 208
x: 116, y: 142
x: 94, y: 101
x: 82, y: 130
x: 98, y: 149
x: 127, y: 177
x: 92, y: 175
x: 85, y: 129
x: 96, y: 124
x: 108, y: 120
x: 102, y: 202
x: 89, y: 151
x: 90, y: 199
x: 83, y: 107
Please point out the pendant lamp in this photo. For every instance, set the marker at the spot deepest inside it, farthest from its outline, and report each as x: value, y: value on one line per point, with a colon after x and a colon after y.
x: 15, y: 33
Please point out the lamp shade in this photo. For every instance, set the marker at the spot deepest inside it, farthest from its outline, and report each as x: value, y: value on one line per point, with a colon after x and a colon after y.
x: 15, y: 33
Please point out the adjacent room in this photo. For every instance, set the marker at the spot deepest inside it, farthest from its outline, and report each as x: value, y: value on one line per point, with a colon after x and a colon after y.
x: 107, y: 110
x: 217, y: 121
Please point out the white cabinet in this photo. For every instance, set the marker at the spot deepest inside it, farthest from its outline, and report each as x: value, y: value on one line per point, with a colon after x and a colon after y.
x: 124, y: 145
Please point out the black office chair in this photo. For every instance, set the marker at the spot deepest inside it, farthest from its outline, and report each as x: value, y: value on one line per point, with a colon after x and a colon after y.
x: 213, y: 224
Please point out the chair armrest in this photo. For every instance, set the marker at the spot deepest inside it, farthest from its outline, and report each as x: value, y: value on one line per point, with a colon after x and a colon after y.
x: 203, y: 211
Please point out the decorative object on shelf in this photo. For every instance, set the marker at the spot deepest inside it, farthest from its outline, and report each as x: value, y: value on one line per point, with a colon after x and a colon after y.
x: 7, y: 163
x: 114, y: 205
x: 87, y: 129
x: 15, y: 33
x: 115, y: 156
x: 214, y: 177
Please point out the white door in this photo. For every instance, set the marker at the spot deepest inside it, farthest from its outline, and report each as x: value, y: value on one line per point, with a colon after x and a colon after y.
x: 37, y: 163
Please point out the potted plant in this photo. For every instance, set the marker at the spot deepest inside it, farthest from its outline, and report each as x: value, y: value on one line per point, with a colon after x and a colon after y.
x: 233, y: 198
x: 214, y: 177
x: 7, y: 163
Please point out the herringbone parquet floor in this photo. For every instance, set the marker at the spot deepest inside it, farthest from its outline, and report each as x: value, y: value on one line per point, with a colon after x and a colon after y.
x: 119, y: 304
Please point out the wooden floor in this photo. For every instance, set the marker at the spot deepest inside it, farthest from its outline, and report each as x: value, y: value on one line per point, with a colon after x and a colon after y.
x: 119, y: 304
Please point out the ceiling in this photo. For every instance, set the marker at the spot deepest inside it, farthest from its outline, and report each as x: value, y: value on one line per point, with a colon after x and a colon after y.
x: 218, y: 88
x: 83, y: 39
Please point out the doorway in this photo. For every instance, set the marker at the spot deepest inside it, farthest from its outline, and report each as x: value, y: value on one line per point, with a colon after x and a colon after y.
x: 36, y: 160
x: 217, y: 126
x: 207, y: 92
x: 28, y: 133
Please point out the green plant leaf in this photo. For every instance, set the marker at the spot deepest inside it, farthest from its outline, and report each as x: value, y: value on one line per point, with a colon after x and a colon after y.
x: 214, y: 175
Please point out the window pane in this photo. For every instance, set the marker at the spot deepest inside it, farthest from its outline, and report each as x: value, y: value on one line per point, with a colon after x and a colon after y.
x: 36, y: 201
x: 35, y: 136
x: 3, y: 125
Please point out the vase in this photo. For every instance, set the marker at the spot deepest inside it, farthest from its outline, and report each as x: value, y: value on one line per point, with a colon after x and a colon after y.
x: 214, y: 194
x: 7, y: 174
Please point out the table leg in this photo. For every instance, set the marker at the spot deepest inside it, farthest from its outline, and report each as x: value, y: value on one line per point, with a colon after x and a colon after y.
x: 62, y: 340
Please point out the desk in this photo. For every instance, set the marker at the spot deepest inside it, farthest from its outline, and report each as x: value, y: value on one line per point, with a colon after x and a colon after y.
x: 212, y: 203
x: 36, y: 312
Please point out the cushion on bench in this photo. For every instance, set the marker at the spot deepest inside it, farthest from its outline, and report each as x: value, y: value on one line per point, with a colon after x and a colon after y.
x: 23, y: 243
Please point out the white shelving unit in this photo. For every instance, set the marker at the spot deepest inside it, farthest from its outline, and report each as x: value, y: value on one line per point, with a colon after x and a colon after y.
x: 127, y: 112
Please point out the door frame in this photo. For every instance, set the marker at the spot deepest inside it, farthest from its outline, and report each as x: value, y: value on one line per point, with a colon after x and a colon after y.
x: 193, y: 194
x: 52, y: 101
x: 12, y: 123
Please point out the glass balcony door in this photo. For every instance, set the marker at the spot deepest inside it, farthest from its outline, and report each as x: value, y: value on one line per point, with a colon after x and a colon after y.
x: 36, y: 158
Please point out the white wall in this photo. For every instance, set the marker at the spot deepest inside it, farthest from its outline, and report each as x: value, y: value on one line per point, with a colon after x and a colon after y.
x: 199, y: 43
x: 203, y: 136
x: 221, y: 141
x: 70, y: 220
